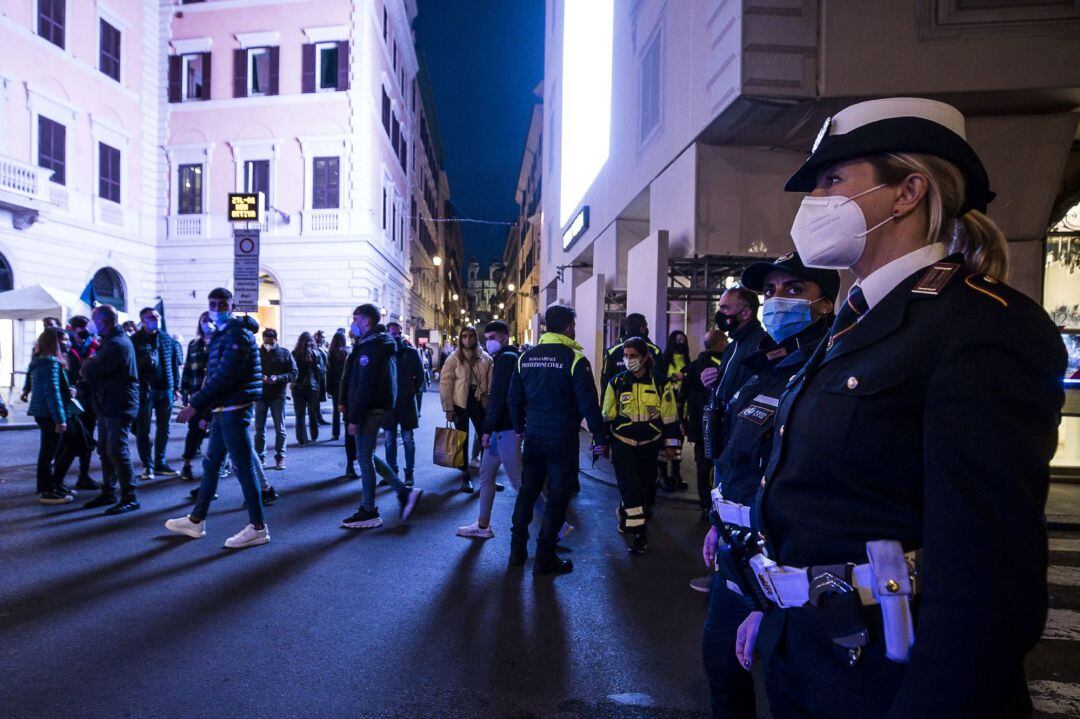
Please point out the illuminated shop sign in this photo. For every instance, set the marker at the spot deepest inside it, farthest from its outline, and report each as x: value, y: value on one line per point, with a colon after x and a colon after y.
x: 245, y: 206
x: 576, y: 228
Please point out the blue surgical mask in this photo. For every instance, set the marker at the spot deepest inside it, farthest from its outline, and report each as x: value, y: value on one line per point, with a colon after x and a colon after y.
x: 784, y: 317
x: 221, y: 319
x: 150, y: 325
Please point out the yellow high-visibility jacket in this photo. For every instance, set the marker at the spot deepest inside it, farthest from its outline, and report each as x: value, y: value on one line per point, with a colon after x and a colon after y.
x: 641, y: 411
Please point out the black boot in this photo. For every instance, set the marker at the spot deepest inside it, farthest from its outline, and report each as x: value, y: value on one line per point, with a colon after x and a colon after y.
x: 466, y: 483
x: 553, y: 566
x: 676, y: 475
x: 639, y: 544
x: 519, y: 553
x: 409, y: 478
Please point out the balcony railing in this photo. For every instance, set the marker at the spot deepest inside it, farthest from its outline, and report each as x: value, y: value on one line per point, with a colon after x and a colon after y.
x: 189, y: 226
x: 323, y: 221
x: 28, y: 181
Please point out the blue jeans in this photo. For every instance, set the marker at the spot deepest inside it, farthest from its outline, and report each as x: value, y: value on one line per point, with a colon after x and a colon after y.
x: 153, y: 405
x: 276, y: 409
x: 365, y: 450
x: 408, y: 441
x: 229, y: 434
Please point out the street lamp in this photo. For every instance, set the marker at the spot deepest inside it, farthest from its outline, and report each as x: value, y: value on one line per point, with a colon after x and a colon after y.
x: 462, y: 311
x: 436, y: 260
x: 455, y: 297
x: 511, y: 287
x: 502, y: 305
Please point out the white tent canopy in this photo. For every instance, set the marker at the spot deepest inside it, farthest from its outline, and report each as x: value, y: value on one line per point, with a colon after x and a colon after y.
x: 38, y: 301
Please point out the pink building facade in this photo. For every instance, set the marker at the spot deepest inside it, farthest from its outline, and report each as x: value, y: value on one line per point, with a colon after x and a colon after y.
x: 315, y: 104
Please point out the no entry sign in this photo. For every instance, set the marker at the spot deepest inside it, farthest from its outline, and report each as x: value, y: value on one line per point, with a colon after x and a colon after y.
x: 246, y: 269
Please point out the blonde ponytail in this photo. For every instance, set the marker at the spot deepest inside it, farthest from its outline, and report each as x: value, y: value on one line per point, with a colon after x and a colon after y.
x: 973, y: 234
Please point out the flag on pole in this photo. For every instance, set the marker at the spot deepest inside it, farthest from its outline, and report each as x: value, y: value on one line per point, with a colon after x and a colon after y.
x: 89, y: 296
x: 160, y: 307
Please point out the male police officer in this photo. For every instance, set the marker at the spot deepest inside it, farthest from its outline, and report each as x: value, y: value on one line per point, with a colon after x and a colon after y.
x: 550, y: 392
x: 635, y: 325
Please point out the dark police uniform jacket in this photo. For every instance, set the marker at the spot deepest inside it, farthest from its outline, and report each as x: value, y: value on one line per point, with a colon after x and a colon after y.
x: 931, y: 422
x: 749, y: 421
x: 552, y: 390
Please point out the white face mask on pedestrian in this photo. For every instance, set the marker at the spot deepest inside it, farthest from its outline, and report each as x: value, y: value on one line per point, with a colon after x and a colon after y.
x: 634, y: 365
x: 830, y: 232
x: 492, y: 346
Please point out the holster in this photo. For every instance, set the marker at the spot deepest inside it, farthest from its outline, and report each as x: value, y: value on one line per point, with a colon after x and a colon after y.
x: 893, y: 587
x: 732, y: 561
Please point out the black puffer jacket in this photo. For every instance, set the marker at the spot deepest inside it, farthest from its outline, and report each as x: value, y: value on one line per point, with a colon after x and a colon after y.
x: 233, y: 370
x: 370, y: 381
x: 159, y: 359
x: 112, y: 378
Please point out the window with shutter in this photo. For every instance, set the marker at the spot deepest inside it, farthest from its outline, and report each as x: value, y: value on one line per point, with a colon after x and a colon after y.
x: 386, y: 111
x: 109, y: 55
x: 650, y: 86
x: 194, y: 77
x: 52, y: 148
x: 343, y: 65
x: 307, y: 72
x: 326, y: 67
x: 325, y: 189
x: 51, y: 21
x: 175, y: 71
x: 258, y: 71
x: 190, y: 190
x: 108, y: 172
x: 257, y: 178
x: 240, y: 73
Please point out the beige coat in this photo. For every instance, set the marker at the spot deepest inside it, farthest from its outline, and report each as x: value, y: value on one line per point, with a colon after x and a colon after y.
x: 454, y: 380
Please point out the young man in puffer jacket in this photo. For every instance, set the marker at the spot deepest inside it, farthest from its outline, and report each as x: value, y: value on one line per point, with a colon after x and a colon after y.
x: 233, y: 385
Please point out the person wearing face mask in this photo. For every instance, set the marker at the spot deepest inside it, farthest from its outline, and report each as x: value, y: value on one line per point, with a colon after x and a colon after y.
x: 55, y: 412
x: 369, y: 392
x: 676, y: 359
x: 643, y: 419
x: 463, y: 388
x: 405, y: 417
x: 305, y: 389
x: 903, y: 503
x: 278, y: 370
x: 633, y: 325
x: 694, y: 395
x: 233, y: 385
x: 130, y: 328
x: 158, y: 359
x: 501, y: 444
x: 83, y: 346
x: 335, y: 367
x: 113, y: 381
x: 191, y: 381
x: 797, y: 312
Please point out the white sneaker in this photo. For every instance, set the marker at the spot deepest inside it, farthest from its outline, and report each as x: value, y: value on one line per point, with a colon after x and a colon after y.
x: 476, y: 531
x: 248, y: 537
x: 184, y: 525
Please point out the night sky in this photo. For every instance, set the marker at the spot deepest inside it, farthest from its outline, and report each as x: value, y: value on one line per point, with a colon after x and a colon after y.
x: 485, y: 57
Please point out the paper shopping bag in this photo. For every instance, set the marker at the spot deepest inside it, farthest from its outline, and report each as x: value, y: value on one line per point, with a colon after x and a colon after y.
x: 449, y: 447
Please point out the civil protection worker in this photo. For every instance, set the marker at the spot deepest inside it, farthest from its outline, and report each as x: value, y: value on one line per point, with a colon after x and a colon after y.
x: 551, y: 391
x: 643, y: 420
x: 903, y: 503
x: 797, y: 313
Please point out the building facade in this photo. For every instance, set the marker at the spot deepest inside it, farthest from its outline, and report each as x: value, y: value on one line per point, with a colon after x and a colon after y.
x: 670, y: 129
x: 124, y: 124
x: 521, y: 281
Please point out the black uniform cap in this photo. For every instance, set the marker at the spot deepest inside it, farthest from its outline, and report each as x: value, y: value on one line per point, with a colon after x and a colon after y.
x: 753, y: 277
x: 900, y: 124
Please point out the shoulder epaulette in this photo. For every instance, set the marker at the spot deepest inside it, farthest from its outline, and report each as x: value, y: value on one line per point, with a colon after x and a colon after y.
x: 986, y: 285
x: 936, y: 278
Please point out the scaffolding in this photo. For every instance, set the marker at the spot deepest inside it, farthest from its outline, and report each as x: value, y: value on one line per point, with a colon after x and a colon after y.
x: 701, y: 279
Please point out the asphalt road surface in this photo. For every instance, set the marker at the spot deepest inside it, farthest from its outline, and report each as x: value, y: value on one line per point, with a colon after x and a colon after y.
x: 115, y: 617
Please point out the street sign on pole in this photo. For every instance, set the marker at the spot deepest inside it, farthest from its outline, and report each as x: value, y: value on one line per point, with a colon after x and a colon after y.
x: 246, y: 269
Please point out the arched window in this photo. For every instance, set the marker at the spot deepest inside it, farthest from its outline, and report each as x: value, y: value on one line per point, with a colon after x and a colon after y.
x: 7, y: 280
x: 109, y: 288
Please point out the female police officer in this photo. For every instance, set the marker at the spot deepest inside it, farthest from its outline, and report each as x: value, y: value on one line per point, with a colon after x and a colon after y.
x: 797, y: 314
x: 917, y: 437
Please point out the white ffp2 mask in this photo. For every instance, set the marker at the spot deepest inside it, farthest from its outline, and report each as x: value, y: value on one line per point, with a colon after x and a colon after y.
x: 830, y: 232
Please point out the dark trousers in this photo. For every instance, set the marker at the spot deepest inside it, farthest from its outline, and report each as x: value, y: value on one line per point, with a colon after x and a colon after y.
x: 546, y: 460
x: 89, y: 420
x: 731, y: 687
x: 462, y: 417
x: 194, y: 439
x: 335, y: 418
x: 116, y: 456
x: 54, y: 456
x: 276, y: 408
x: 704, y: 468
x: 306, y: 414
x: 636, y: 475
x: 154, y: 405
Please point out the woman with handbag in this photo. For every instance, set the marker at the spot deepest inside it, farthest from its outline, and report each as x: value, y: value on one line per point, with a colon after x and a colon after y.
x: 54, y: 408
x: 463, y: 389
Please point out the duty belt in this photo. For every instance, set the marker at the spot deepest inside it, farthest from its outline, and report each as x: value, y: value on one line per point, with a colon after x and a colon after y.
x: 890, y: 579
x: 730, y: 512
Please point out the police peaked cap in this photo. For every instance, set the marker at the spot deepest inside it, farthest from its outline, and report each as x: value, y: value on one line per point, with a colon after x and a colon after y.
x: 900, y: 124
x: 753, y: 277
